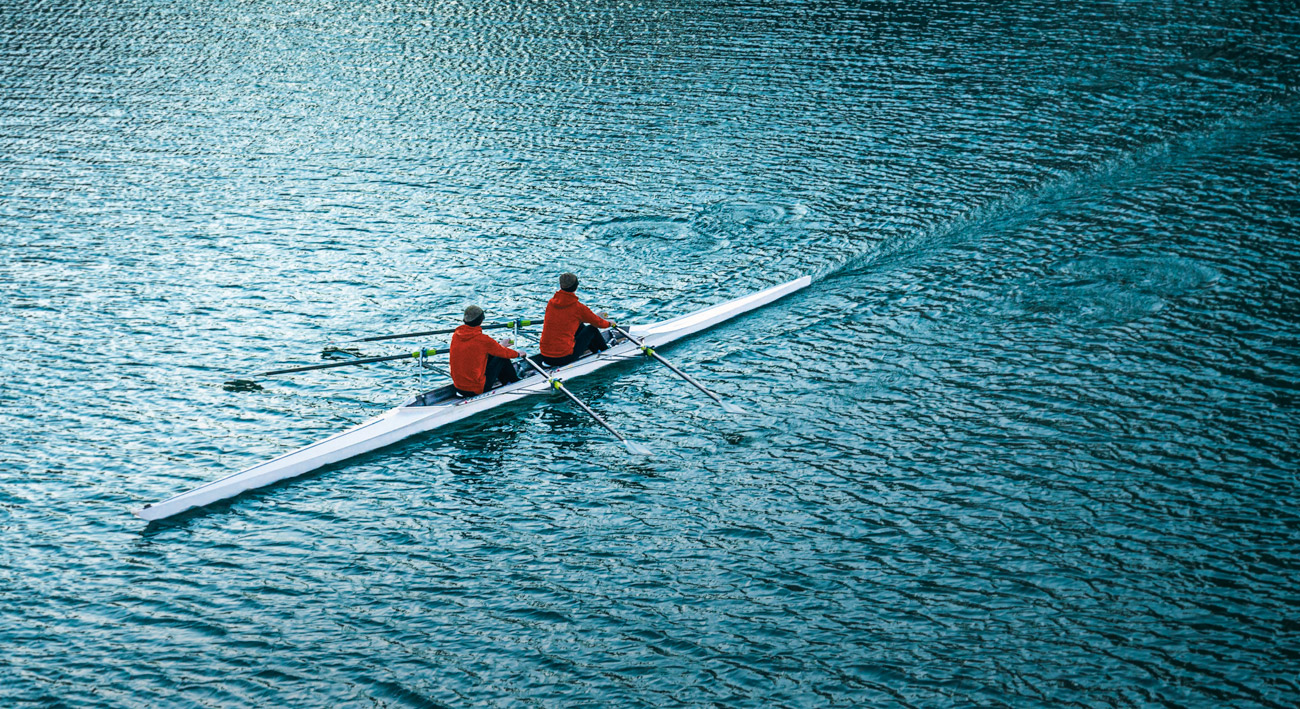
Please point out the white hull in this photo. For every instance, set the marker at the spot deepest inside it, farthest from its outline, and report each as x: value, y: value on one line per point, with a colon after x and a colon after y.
x: 412, y: 417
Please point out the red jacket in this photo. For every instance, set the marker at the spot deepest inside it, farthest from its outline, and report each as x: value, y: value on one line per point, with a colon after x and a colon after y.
x: 564, y: 314
x: 469, y: 352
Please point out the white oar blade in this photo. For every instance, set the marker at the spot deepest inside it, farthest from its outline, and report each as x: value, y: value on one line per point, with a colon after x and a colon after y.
x: 734, y: 408
x: 637, y: 449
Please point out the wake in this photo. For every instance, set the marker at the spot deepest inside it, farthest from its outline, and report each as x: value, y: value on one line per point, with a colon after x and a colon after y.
x: 1061, y: 188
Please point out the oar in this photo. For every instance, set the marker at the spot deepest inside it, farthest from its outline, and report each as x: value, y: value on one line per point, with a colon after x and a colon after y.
x: 448, y: 331
x: 650, y: 352
x: 632, y: 447
x: 428, y: 352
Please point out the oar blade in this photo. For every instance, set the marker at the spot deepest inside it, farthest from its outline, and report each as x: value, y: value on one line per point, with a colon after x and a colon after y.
x: 637, y: 449
x: 241, y: 385
x: 734, y: 408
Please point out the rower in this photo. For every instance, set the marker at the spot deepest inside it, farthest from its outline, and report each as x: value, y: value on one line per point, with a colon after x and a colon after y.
x: 570, y: 329
x: 478, y: 361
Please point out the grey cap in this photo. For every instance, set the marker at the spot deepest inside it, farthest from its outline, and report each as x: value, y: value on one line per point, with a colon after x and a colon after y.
x: 473, y: 313
x: 568, y: 281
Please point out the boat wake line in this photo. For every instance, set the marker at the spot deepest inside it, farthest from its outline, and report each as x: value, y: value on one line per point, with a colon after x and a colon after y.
x: 1030, y: 205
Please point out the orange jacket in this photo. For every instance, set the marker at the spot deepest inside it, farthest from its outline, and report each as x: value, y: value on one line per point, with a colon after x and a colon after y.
x: 469, y: 352
x: 564, y: 314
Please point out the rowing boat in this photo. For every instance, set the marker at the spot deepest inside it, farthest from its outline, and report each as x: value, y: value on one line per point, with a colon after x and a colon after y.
x: 440, y: 407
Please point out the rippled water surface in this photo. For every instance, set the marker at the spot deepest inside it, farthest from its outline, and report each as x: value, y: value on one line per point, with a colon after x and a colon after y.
x: 1029, y: 439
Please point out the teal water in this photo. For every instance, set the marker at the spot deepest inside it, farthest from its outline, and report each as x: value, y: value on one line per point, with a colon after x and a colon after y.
x: 1030, y: 438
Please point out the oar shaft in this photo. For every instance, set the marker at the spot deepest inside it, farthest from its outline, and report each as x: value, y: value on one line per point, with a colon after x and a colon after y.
x: 689, y: 379
x: 426, y: 333
x: 591, y: 413
x: 368, y: 360
x: 557, y: 384
x: 448, y: 331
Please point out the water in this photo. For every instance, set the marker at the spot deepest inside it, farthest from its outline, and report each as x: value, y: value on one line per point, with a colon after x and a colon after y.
x: 1029, y: 439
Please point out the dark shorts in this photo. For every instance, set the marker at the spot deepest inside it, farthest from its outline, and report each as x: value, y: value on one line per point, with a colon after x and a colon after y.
x: 588, y: 338
x: 498, y: 369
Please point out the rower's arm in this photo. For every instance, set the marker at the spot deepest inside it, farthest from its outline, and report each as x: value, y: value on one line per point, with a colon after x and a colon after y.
x: 497, y: 349
x: 591, y: 318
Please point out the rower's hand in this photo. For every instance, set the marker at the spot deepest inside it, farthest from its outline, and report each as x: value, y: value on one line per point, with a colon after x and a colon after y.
x: 506, y: 342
